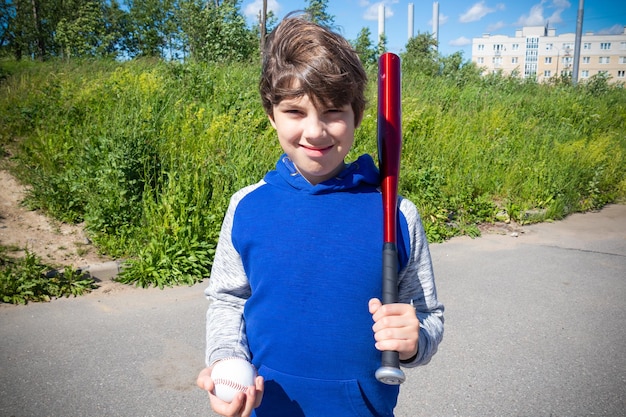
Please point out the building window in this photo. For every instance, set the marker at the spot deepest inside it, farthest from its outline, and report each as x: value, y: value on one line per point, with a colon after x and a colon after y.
x: 530, y: 60
x: 515, y: 47
x: 547, y: 60
x: 547, y: 73
x: 481, y: 47
x: 604, y: 59
x: 496, y: 60
x: 530, y: 70
x: 605, y: 45
x: 586, y: 60
x: 514, y: 60
x: 622, y: 59
x: 587, y: 45
x: 621, y: 73
x: 567, y: 46
x: 549, y: 46
x: 480, y: 60
x: 622, y: 45
x: 584, y: 73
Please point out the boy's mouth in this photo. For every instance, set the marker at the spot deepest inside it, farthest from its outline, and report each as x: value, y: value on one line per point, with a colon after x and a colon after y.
x: 316, y: 150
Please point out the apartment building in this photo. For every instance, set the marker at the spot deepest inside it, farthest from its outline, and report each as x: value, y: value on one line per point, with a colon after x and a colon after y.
x: 537, y: 51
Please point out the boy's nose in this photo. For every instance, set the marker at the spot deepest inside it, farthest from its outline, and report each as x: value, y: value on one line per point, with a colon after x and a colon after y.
x: 314, y: 128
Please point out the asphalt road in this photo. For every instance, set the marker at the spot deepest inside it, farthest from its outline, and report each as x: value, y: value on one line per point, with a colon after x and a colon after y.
x: 535, y: 326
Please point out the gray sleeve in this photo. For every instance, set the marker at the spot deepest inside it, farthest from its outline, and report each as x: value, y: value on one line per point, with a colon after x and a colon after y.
x: 227, y: 293
x: 417, y: 285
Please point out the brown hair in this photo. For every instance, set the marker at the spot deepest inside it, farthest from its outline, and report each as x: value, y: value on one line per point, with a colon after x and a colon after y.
x: 301, y: 58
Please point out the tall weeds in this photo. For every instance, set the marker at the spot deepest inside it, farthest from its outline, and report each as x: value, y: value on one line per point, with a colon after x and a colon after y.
x: 148, y: 153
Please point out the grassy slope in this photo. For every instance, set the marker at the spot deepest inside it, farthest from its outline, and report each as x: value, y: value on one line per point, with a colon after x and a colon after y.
x: 148, y: 153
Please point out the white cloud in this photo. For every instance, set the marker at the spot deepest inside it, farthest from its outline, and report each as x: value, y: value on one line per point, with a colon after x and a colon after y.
x: 371, y: 13
x: 613, y: 30
x: 443, y: 19
x: 496, y: 26
x: 478, y: 11
x: 462, y: 41
x: 252, y: 10
x: 561, y: 4
x: 535, y: 16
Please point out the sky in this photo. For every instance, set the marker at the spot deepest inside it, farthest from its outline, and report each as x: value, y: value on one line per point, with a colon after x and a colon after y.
x: 459, y: 21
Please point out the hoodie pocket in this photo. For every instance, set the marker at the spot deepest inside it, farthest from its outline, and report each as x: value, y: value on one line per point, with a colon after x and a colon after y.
x: 295, y: 396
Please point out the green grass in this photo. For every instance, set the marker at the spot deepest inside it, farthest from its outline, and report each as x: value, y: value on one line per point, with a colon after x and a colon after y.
x: 24, y: 279
x: 148, y: 153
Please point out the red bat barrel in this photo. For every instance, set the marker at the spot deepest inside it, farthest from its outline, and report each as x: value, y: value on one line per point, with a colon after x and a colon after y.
x: 389, y: 149
x: 389, y: 138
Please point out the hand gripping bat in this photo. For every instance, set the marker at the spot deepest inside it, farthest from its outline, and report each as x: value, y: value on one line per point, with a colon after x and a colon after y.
x: 389, y: 148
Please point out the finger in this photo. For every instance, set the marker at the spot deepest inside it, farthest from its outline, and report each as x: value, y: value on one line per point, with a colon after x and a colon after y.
x: 232, y: 409
x: 260, y: 388
x: 407, y: 348
x: 374, y: 304
x: 396, y: 309
x: 249, y: 405
x: 204, y: 380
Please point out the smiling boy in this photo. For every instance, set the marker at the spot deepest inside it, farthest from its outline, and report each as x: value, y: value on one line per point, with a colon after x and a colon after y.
x: 297, y: 269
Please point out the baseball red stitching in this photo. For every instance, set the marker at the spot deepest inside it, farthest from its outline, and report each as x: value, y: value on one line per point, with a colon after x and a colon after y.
x: 231, y: 384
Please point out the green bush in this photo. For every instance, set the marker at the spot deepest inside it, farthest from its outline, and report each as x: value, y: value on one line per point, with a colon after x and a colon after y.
x: 148, y: 153
x: 23, y: 280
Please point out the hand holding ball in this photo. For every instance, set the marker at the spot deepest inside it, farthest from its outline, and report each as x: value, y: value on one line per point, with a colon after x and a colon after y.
x: 232, y: 375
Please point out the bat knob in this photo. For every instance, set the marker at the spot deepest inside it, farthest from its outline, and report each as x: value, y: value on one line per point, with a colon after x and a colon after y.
x: 390, y: 375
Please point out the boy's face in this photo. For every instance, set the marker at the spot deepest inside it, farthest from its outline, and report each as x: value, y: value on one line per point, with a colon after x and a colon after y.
x: 316, y: 139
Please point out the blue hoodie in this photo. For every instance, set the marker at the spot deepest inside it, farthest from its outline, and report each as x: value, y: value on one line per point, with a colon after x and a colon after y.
x: 307, y: 259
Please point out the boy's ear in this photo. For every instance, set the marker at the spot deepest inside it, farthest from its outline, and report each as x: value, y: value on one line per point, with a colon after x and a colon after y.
x: 271, y: 117
x: 358, y: 122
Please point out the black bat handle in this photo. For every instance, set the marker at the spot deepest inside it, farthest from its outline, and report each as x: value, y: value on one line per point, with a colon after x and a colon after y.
x: 389, y: 371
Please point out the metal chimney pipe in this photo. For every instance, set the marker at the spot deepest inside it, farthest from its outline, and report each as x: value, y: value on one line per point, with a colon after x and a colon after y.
x: 410, y: 34
x: 381, y: 20
x: 436, y: 23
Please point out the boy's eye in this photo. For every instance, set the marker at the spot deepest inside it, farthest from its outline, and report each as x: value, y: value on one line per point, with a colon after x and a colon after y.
x: 338, y: 109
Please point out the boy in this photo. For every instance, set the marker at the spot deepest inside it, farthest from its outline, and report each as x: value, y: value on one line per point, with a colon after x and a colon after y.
x: 298, y: 263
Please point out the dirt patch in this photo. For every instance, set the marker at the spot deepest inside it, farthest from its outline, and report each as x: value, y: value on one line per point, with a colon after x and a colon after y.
x: 57, y: 244
x: 501, y: 228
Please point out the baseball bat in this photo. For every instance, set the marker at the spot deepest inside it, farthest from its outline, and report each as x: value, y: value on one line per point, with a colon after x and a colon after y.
x: 389, y: 148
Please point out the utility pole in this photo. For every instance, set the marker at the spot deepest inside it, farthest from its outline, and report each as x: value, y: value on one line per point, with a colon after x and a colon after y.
x: 263, y: 28
x: 579, y: 34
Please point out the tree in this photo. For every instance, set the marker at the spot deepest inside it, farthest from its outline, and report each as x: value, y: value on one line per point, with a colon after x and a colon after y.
x: 217, y: 33
x: 453, y: 67
x: 267, y: 23
x: 381, y: 48
x: 421, y: 55
x: 39, y: 34
x: 317, y: 12
x: 117, y: 29
x: 147, y: 36
x: 81, y: 34
x: 25, y: 30
x: 364, y: 47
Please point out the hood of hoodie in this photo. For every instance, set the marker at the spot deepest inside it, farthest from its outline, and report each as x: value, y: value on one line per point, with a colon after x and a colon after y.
x: 362, y: 172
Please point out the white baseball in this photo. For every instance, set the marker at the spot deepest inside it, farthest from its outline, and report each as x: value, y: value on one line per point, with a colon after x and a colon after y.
x: 232, y: 375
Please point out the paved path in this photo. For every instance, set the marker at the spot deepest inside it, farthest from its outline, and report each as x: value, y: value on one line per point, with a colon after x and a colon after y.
x: 535, y: 326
